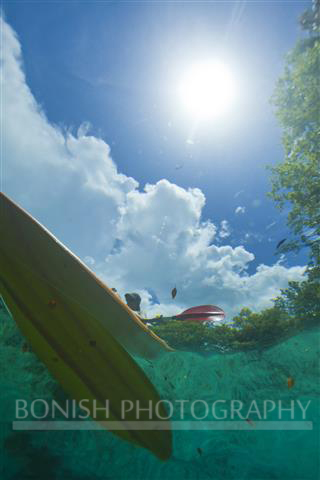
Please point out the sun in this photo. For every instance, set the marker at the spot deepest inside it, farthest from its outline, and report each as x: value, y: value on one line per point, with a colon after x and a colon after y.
x: 207, y: 90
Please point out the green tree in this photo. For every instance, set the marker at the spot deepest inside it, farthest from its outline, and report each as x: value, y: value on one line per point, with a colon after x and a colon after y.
x: 301, y: 301
x: 310, y: 19
x: 296, y: 181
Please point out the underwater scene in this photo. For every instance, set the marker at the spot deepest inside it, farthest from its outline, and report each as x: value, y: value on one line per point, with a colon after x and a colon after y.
x: 160, y: 240
x: 241, y: 453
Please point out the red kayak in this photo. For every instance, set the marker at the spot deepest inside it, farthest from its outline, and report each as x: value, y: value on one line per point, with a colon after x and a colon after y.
x: 203, y: 313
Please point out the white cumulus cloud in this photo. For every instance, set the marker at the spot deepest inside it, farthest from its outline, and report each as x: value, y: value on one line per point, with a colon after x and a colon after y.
x: 144, y: 240
x: 225, y: 229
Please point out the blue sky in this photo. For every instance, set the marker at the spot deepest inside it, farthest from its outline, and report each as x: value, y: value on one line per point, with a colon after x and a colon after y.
x: 92, y: 117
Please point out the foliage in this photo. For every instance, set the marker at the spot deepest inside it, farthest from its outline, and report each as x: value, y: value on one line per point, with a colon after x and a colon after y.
x: 295, y: 310
x: 310, y: 19
x: 301, y: 301
x: 296, y: 181
x: 249, y: 330
x: 182, y: 335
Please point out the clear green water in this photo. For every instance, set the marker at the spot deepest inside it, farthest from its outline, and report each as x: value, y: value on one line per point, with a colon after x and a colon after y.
x: 251, y: 454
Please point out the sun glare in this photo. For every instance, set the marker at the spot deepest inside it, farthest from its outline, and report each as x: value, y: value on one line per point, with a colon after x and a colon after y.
x: 207, y: 90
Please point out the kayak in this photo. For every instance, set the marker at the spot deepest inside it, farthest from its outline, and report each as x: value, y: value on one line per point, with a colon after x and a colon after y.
x: 79, y: 328
x: 201, y: 314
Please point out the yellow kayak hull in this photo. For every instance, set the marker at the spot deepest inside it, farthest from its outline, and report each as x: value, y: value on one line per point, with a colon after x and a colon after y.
x: 53, y: 298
